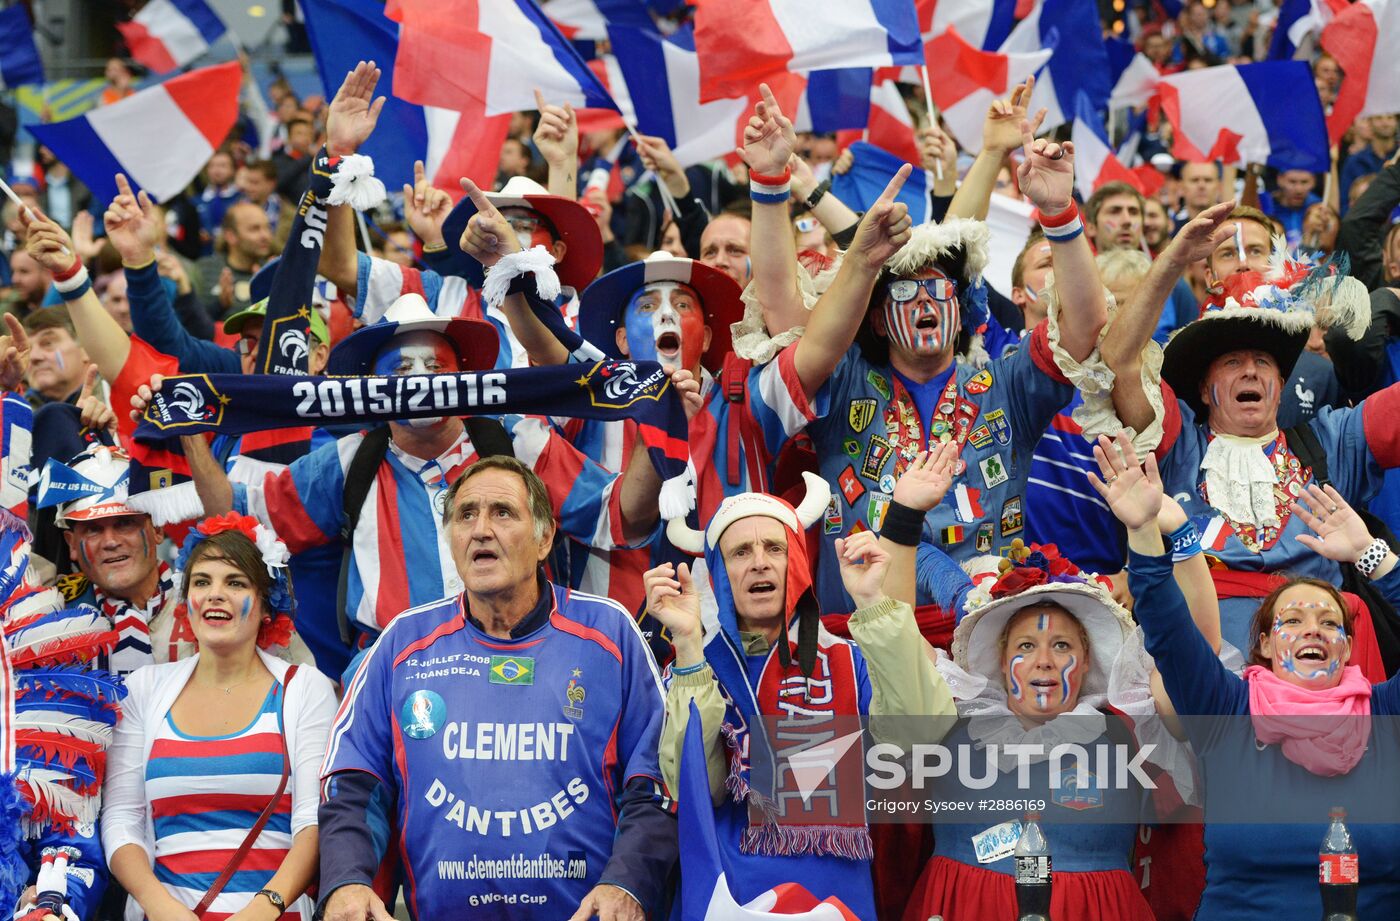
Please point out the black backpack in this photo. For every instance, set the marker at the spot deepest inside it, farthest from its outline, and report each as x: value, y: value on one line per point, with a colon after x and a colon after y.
x: 1302, y: 441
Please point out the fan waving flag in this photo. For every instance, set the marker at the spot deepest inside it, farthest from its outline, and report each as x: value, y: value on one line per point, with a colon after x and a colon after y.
x: 1265, y: 113
x: 740, y: 42
x: 1079, y: 63
x: 965, y: 80
x: 19, y: 57
x: 1365, y: 37
x: 168, y: 34
x: 497, y: 52
x: 705, y: 893
x: 190, y: 115
x: 1094, y: 160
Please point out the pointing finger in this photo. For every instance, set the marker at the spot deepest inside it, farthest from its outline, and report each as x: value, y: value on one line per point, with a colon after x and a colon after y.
x: 478, y: 197
x: 123, y: 186
x: 539, y: 100
x: 17, y: 332
x: 769, y: 100
x: 896, y: 183
x: 89, y: 382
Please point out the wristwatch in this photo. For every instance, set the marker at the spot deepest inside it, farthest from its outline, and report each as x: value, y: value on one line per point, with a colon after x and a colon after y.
x: 275, y: 898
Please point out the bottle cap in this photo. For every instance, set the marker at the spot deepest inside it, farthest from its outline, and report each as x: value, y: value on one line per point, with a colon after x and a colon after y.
x: 1337, y: 812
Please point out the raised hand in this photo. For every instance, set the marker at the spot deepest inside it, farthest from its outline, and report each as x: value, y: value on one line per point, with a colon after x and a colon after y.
x: 354, y: 111
x: 925, y: 482
x: 132, y: 225
x: 14, y: 355
x: 1001, y: 130
x: 936, y: 147
x: 886, y: 226
x: 93, y: 411
x: 673, y: 600
x: 556, y: 137
x: 46, y: 242
x: 1046, y: 175
x: 863, y: 565
x: 425, y: 207
x: 688, y: 386
x: 144, y: 395
x: 1133, y: 492
x: 84, y: 244
x: 488, y: 236
x: 768, y: 138
x: 1341, y: 534
x: 657, y: 156
x: 1202, y: 234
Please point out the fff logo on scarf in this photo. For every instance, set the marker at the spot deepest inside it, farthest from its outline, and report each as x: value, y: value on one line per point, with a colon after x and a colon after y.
x: 183, y: 402
x: 616, y: 384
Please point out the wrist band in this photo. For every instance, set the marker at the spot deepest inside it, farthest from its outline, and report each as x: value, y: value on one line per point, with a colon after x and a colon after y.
x: 903, y: 525
x: 1186, y: 542
x: 1062, y: 227
x: 73, y: 284
x: 71, y: 271
x: 688, y: 669
x: 771, y: 190
x: 1372, y: 557
x: 75, y: 293
x: 818, y: 193
x: 435, y: 247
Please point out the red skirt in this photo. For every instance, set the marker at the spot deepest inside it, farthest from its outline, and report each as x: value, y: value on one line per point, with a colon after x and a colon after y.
x: 959, y: 892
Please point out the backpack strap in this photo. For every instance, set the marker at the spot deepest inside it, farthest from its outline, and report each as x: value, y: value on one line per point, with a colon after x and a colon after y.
x: 1302, y: 441
x: 364, y: 466
x: 489, y: 437
x: 743, y: 429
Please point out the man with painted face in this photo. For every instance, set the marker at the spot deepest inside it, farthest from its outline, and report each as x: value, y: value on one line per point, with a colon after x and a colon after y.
x: 1211, y: 413
x: 907, y: 372
x: 398, y: 552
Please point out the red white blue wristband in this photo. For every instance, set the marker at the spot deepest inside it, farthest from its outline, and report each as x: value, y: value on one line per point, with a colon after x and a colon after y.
x: 73, y: 283
x: 771, y: 190
x: 1062, y: 227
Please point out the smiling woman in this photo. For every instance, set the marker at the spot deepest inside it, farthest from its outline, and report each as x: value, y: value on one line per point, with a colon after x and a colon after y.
x: 229, y: 727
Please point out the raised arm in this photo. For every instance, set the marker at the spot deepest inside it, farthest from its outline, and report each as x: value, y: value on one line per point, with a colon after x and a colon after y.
x: 556, y: 138
x: 769, y: 141
x: 1001, y: 134
x: 350, y: 121
x: 1134, y: 324
x: 832, y: 212
x: 100, y: 336
x: 917, y: 492
x: 837, y: 317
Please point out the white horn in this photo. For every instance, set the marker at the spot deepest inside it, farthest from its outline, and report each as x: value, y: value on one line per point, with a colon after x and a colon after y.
x: 814, y: 503
x: 684, y: 537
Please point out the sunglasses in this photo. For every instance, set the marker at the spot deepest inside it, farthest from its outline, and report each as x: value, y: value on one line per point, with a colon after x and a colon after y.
x: 903, y: 290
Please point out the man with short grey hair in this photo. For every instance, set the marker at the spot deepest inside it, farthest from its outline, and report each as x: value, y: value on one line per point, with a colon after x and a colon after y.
x: 512, y: 733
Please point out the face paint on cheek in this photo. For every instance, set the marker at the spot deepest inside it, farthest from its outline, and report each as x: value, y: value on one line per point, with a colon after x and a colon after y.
x: 1214, y: 397
x: 247, y: 609
x: 1068, y: 674
x: 58, y: 359
x: 641, y: 332
x: 1018, y: 689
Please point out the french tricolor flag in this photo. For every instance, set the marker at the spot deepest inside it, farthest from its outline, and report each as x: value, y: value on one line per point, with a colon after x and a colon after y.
x: 984, y: 23
x: 743, y: 42
x: 1094, y: 160
x: 1365, y: 38
x: 965, y: 80
x: 1215, y: 534
x: 190, y: 115
x: 168, y: 34
x: 968, y: 502
x: 889, y: 126
x: 1079, y: 63
x: 1265, y: 113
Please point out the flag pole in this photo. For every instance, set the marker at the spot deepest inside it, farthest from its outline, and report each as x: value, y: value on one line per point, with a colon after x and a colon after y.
x: 666, y: 196
x: 932, y: 118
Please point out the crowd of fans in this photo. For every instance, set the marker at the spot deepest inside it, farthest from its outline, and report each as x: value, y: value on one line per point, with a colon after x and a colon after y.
x: 474, y: 660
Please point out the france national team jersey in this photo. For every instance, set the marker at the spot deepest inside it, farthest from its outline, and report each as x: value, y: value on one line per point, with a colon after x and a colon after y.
x: 868, y: 429
x: 505, y: 756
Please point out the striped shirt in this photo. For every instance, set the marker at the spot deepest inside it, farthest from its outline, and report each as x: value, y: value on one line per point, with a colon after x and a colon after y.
x: 205, y: 794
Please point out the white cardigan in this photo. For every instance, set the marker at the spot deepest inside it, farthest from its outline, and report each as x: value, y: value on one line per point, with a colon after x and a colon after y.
x: 308, y: 710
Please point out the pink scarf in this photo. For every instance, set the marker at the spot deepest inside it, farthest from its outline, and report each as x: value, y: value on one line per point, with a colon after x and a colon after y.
x: 1324, y: 731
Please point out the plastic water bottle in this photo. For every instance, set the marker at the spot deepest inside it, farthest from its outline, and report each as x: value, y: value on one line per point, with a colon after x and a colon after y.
x: 1032, y: 871
x: 1338, y: 875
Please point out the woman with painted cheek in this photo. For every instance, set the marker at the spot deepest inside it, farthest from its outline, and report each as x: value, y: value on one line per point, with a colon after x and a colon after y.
x: 207, y: 744
x: 665, y: 323
x: 1299, y: 667
x: 1042, y: 657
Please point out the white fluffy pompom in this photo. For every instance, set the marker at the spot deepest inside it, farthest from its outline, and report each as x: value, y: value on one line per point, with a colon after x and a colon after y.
x: 354, y: 184
x: 537, y: 259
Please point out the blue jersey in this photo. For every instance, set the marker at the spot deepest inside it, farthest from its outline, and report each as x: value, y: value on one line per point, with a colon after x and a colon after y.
x: 867, y: 430
x: 505, y: 757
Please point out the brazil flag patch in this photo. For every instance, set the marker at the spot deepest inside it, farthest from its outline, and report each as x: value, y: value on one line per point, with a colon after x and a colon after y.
x: 512, y: 670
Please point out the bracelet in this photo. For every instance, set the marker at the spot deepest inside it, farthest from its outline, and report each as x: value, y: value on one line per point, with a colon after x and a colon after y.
x: 818, y: 193
x: 688, y: 669
x: 903, y: 525
x: 771, y: 190
x: 435, y: 247
x: 1062, y: 227
x: 1186, y: 542
x: 1372, y: 557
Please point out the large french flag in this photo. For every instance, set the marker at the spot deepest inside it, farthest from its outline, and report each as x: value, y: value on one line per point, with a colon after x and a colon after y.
x: 1135, y: 84
x: 836, y: 100
x: 1265, y: 113
x: 871, y: 171
x: 1079, y: 62
x: 19, y: 57
x: 1365, y: 38
x: 705, y: 893
x: 984, y: 23
x: 741, y: 42
x: 168, y: 34
x: 965, y: 80
x: 1094, y: 160
x: 888, y: 125
x: 497, y: 52
x: 190, y: 115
